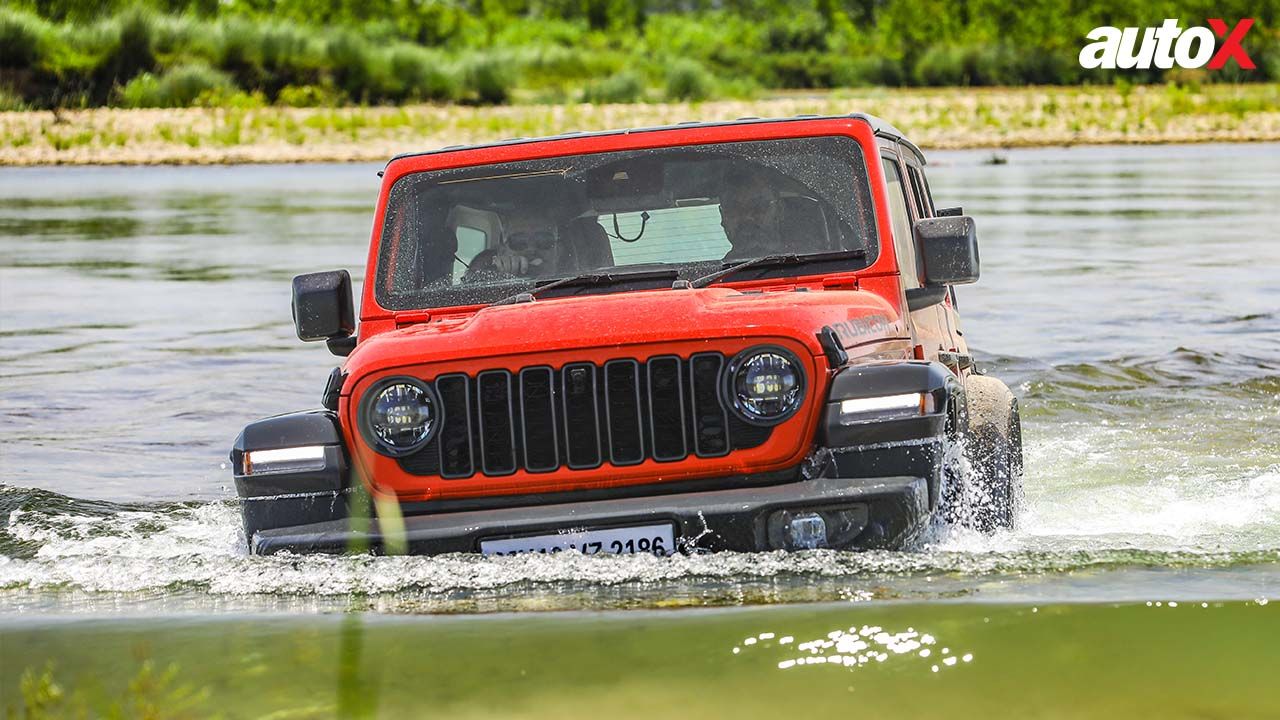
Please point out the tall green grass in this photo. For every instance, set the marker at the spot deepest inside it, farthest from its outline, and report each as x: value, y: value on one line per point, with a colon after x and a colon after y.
x: 624, y: 86
x: 180, y: 86
x: 689, y: 80
x: 74, y: 53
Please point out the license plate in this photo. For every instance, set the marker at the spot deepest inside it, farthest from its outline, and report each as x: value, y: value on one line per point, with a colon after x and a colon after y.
x: 652, y: 539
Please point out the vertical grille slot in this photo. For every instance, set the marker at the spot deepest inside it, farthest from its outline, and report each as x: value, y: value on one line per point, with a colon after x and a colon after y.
x: 666, y: 410
x: 710, y: 420
x: 456, y: 459
x: 622, y: 411
x: 497, y: 432
x: 538, y: 419
x: 581, y: 415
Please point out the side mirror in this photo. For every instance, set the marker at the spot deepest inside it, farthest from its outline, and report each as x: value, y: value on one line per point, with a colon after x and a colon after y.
x: 948, y: 250
x: 948, y: 256
x: 323, y: 309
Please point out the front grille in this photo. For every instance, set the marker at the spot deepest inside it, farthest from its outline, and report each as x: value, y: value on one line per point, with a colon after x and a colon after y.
x: 582, y: 416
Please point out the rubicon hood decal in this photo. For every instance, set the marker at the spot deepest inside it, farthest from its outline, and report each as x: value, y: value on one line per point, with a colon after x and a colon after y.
x: 859, y: 330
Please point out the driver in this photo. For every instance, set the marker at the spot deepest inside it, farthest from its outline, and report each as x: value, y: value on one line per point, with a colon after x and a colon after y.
x: 751, y: 215
x: 528, y: 250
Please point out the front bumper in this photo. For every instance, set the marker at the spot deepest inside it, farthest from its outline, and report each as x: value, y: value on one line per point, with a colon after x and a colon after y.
x: 889, y: 510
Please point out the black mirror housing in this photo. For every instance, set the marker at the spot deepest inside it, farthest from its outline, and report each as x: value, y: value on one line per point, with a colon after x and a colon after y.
x: 948, y: 250
x: 322, y: 306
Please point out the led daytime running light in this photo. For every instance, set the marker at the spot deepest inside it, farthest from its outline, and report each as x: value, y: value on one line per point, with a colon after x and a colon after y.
x: 295, y: 459
x: 886, y: 407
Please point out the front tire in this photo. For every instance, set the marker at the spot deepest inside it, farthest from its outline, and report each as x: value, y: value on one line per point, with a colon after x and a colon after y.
x: 991, y: 494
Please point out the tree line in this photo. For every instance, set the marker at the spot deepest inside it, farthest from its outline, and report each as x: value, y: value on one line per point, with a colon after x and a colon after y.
x: 169, y: 53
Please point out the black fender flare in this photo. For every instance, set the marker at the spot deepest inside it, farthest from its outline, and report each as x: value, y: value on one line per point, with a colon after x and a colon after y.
x: 295, y: 497
x: 891, y: 378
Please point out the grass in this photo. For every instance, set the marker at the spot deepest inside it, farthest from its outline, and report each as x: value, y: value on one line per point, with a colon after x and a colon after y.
x: 933, y: 118
x: 153, y: 53
x: 151, y: 693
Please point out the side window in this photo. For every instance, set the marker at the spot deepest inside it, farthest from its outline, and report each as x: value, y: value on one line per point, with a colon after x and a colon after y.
x: 903, y: 241
x: 924, y: 203
x: 470, y: 242
x: 928, y: 193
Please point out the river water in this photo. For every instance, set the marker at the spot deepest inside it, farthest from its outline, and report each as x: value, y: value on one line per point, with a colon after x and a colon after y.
x: 1130, y: 296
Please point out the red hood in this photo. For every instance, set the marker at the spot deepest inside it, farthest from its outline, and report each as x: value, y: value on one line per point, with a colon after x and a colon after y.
x: 623, y: 319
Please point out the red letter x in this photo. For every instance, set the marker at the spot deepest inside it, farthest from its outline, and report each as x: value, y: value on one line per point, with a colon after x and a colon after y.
x: 1231, y: 44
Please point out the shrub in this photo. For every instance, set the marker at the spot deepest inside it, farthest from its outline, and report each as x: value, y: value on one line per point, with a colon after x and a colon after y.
x: 180, y: 86
x: 548, y: 65
x: 689, y: 80
x: 435, y: 22
x: 289, y: 56
x: 997, y: 65
x: 716, y: 37
x: 1266, y: 54
x: 175, y: 35
x: 993, y: 65
x: 134, y: 50
x: 419, y: 74
x: 72, y: 64
x: 88, y: 62
x: 351, y: 62
x: 10, y: 101
x: 487, y: 79
x: 624, y: 86
x: 797, y: 32
x: 853, y: 72
x: 941, y: 65
x: 309, y: 96
x: 21, y: 36
x: 804, y: 69
x: 543, y: 32
x: 239, y: 51
x: 230, y: 98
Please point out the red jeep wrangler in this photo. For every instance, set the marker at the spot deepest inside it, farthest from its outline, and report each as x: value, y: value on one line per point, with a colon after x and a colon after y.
x: 721, y: 336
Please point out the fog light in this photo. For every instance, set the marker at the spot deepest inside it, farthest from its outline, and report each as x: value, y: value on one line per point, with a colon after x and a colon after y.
x: 806, y: 531
x: 296, y: 459
x: 826, y: 527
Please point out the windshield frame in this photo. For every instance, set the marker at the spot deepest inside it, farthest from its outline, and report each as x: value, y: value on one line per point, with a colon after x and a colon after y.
x: 855, y: 128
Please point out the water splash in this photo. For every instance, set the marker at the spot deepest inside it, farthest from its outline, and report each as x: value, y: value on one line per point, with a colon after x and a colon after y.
x: 198, y: 548
x: 1118, y: 480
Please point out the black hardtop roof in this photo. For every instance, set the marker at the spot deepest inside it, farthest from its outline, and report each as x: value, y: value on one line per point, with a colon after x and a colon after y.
x: 878, y: 126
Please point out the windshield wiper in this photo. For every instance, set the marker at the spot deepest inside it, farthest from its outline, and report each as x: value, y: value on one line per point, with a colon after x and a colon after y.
x: 590, y: 279
x: 776, y: 260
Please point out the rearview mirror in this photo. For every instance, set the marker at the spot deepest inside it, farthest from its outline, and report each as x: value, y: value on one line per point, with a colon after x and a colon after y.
x: 948, y: 250
x: 323, y: 309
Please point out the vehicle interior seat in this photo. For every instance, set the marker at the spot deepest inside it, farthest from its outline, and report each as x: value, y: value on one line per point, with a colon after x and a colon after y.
x: 585, y: 245
x: 806, y: 224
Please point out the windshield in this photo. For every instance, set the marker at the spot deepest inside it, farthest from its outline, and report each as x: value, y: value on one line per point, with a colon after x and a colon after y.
x: 477, y: 234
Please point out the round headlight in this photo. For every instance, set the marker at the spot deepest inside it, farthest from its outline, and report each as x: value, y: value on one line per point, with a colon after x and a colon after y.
x: 764, y: 386
x: 399, y: 416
